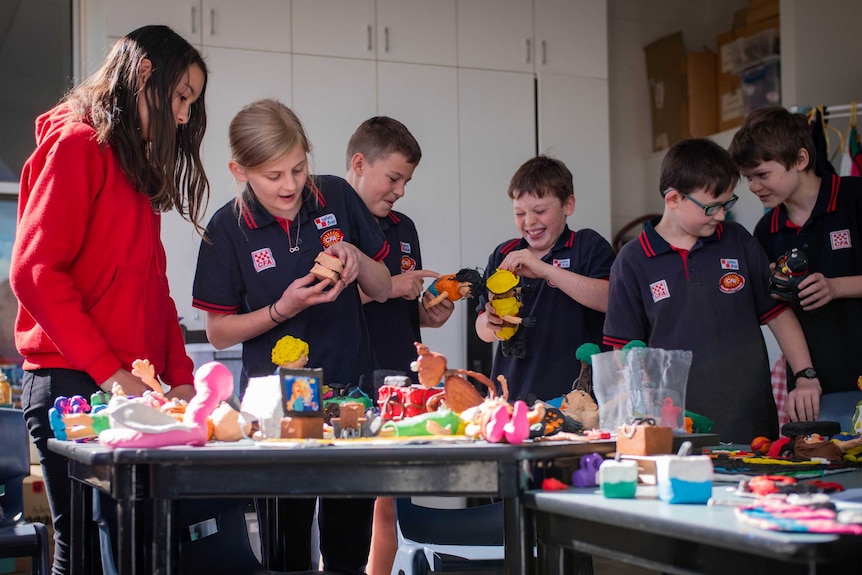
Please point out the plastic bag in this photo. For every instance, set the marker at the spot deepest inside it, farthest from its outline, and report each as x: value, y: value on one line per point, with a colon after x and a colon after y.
x: 641, y: 382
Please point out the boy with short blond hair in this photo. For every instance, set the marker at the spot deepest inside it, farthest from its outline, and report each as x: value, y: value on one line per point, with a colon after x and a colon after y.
x: 694, y: 281
x: 381, y: 157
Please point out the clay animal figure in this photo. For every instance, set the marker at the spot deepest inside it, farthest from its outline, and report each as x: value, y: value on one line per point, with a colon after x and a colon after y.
x: 586, y: 474
x: 139, y: 425
x: 581, y: 407
x: 464, y: 284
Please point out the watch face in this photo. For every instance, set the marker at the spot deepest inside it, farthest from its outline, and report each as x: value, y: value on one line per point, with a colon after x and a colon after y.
x: 807, y: 373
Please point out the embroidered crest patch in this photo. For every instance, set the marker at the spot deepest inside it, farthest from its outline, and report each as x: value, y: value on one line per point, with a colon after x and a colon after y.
x: 731, y: 282
x: 659, y: 290
x: 325, y: 221
x: 408, y: 264
x: 262, y: 259
x: 840, y: 239
x: 331, y: 237
x: 405, y: 248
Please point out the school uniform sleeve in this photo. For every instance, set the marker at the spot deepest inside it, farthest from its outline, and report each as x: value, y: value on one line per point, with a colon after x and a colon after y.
x: 626, y: 318
x: 368, y: 236
x: 218, y: 284
x: 597, y: 255
x: 760, y: 274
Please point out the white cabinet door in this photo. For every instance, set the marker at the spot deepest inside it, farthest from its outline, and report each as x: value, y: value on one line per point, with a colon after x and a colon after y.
x: 571, y: 37
x: 496, y: 135
x: 344, y: 28
x: 496, y: 34
x: 184, y: 16
x: 251, y: 24
x: 332, y: 96
x: 574, y: 128
x: 425, y: 99
x: 417, y: 31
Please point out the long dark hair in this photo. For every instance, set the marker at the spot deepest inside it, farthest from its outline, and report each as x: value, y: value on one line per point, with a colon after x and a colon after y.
x: 167, y: 168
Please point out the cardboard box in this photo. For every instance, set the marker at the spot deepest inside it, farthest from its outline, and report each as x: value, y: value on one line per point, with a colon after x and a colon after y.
x: 761, y: 10
x: 682, y: 91
x: 730, y: 54
x: 36, y: 508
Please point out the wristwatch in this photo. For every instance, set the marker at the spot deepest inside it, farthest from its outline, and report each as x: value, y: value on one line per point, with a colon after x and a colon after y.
x: 807, y: 373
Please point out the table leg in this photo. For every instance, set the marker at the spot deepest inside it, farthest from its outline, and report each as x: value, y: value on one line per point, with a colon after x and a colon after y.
x: 166, y: 549
x: 83, y: 527
x: 518, y: 538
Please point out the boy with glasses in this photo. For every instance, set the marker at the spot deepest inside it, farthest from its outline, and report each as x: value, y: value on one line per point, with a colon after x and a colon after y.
x: 695, y: 281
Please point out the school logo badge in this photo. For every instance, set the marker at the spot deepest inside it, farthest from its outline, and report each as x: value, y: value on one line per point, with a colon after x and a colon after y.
x: 331, y: 237
x: 262, y: 259
x: 325, y: 221
x: 408, y: 264
x: 731, y: 282
x: 405, y: 248
x: 566, y: 263
x: 840, y: 239
x: 729, y: 264
x: 659, y: 290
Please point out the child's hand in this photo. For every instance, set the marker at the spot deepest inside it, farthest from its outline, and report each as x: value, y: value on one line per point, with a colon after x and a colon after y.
x: 816, y: 291
x: 524, y: 263
x: 350, y: 257
x: 305, y: 292
x: 409, y: 285
x: 493, y: 321
x: 435, y: 315
x: 803, y: 403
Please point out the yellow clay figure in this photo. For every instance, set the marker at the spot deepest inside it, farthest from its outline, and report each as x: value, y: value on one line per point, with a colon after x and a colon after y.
x: 290, y: 352
x: 506, y: 299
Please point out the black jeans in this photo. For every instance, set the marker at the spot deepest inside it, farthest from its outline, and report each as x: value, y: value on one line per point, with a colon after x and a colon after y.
x: 40, y: 388
x: 345, y: 533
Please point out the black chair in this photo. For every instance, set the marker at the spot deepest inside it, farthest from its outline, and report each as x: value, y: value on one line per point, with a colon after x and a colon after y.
x: 18, y: 538
x: 432, y: 540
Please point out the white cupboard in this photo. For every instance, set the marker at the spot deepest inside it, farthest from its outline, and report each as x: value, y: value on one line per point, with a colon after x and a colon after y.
x: 558, y: 36
x: 414, y: 31
x: 483, y: 84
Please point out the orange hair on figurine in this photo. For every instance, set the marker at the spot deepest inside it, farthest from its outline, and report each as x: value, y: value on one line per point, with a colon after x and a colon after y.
x: 464, y: 284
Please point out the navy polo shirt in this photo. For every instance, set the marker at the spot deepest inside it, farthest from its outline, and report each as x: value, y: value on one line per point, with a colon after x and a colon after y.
x: 394, y: 324
x: 832, y: 241
x: 246, y: 265
x: 712, y: 301
x: 549, y: 366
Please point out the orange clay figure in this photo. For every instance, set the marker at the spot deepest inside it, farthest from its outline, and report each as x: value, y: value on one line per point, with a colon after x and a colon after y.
x: 462, y: 285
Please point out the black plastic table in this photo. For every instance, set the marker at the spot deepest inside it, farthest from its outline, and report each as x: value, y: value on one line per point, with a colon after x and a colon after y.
x: 152, y: 480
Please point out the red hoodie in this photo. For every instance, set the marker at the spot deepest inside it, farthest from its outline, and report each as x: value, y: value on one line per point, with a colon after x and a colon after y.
x: 88, y: 265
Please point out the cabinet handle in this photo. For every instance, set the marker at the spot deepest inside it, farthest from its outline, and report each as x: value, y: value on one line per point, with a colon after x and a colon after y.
x: 386, y: 38
x: 529, y: 50
x: 212, y: 22
x: 544, y: 52
x: 194, y: 20
x: 370, y: 39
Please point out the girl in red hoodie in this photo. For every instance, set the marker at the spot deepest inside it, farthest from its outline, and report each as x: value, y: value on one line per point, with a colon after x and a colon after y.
x: 88, y: 265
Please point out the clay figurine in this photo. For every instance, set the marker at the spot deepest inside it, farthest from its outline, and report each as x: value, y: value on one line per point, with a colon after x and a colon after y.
x: 462, y: 285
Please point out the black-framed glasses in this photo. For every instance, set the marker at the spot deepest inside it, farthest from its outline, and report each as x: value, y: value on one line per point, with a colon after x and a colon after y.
x: 711, y: 209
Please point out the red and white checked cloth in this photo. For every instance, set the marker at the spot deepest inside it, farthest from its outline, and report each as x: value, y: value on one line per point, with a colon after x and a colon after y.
x: 779, y: 388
